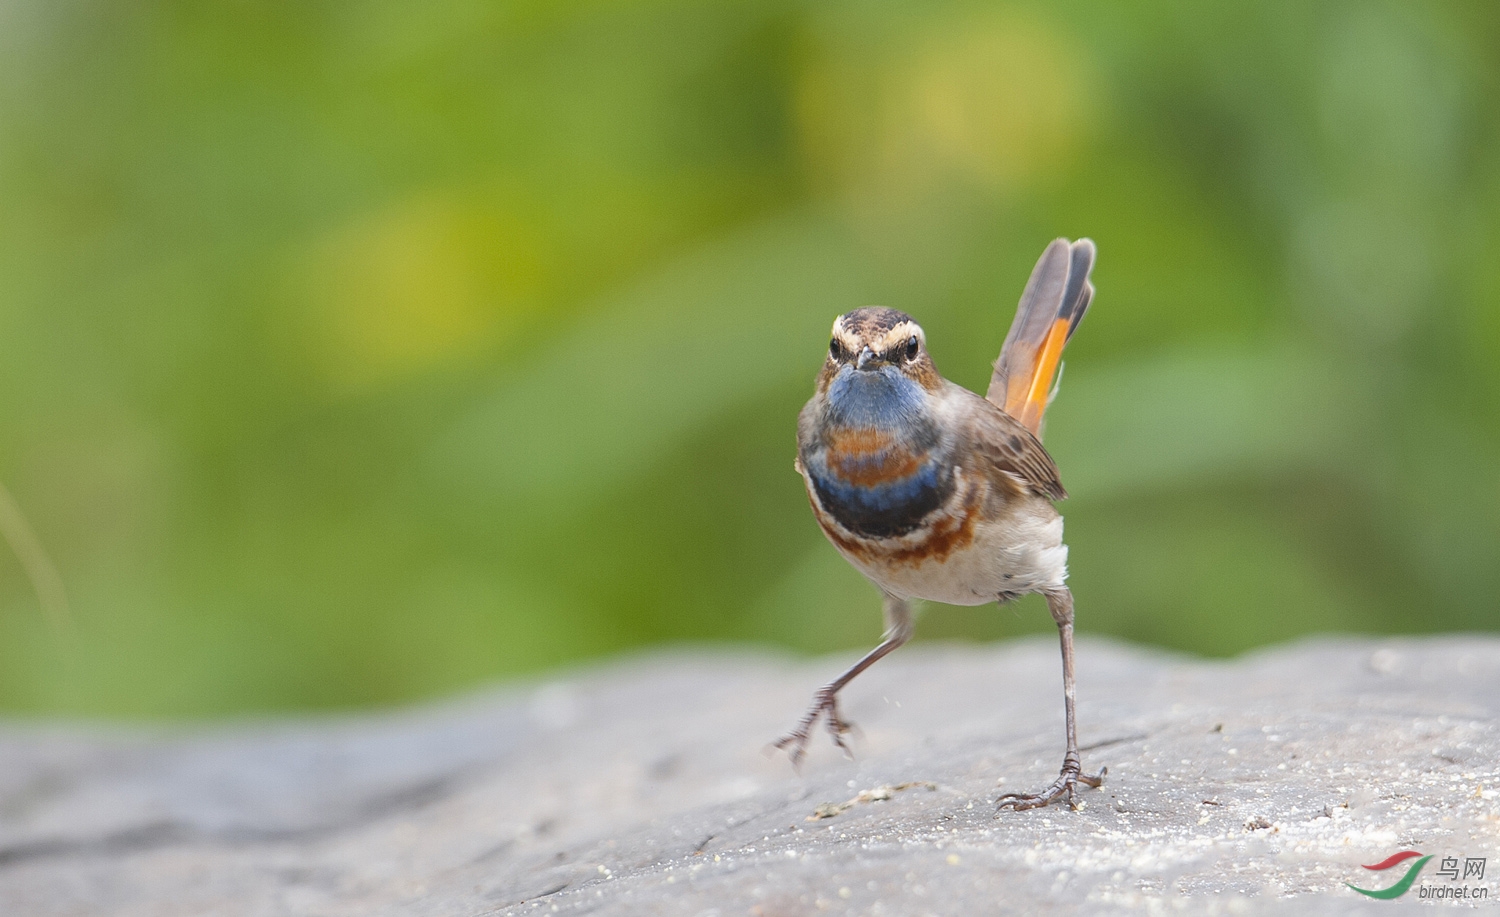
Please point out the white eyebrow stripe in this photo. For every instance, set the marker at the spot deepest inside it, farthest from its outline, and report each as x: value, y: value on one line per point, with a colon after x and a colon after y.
x: 844, y: 335
x: 902, y: 331
x: 895, y: 337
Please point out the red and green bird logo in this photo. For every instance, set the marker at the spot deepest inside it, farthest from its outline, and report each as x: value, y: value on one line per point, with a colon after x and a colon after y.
x: 1401, y: 887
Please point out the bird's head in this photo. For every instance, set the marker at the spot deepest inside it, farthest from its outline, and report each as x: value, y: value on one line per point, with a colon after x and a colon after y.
x: 878, y: 373
x: 882, y: 342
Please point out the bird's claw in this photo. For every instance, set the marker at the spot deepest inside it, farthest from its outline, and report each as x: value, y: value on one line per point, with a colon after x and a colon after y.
x: 1066, y: 784
x: 825, y: 704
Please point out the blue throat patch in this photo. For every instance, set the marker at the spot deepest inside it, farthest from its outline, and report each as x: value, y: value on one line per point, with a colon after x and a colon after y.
x: 881, y: 398
x: 886, y: 401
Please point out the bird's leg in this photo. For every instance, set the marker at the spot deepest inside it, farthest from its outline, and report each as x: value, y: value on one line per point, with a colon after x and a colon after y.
x: 898, y: 629
x: 1060, y: 603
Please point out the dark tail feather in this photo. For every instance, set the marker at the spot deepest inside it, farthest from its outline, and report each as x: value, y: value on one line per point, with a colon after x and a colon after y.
x: 1080, y: 291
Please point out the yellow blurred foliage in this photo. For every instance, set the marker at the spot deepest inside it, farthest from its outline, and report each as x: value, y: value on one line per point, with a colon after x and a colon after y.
x: 423, y: 283
x: 992, y: 100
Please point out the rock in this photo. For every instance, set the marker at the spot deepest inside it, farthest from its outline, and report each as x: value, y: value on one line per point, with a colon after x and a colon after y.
x: 643, y: 787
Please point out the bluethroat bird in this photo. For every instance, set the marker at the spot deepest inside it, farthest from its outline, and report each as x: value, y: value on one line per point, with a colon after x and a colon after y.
x: 933, y: 492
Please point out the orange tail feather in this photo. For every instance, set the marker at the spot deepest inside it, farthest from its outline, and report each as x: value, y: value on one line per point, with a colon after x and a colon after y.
x: 1054, y: 302
x: 1034, y: 404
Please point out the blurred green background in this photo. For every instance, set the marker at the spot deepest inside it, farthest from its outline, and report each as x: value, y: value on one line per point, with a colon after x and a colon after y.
x: 360, y: 351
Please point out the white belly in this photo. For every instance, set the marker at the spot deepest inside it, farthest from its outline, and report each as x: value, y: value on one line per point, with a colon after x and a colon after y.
x: 1018, y: 553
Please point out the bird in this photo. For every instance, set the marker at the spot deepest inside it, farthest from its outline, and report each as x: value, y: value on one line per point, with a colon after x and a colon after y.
x: 934, y: 493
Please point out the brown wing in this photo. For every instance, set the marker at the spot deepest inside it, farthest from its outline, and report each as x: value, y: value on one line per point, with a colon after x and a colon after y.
x: 1009, y: 448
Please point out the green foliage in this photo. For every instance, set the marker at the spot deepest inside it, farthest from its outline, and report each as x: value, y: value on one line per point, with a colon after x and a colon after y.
x: 353, y: 352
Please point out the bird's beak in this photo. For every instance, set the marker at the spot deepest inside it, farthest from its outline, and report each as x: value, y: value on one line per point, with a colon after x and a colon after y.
x: 865, y: 356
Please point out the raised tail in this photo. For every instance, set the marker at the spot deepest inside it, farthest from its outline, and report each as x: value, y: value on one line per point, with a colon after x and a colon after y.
x: 1056, y: 297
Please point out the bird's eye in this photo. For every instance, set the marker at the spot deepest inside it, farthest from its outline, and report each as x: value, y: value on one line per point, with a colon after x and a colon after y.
x: 911, y: 347
x: 834, y: 350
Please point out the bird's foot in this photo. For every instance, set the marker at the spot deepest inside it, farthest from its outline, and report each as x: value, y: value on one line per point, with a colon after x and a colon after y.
x: 1066, y: 784
x: 825, y: 703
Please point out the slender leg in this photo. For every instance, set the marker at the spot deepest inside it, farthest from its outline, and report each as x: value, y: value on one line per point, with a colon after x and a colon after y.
x: 1060, y: 603
x: 898, y: 630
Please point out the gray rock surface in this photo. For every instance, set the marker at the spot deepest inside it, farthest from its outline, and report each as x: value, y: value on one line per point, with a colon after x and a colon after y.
x: 643, y: 787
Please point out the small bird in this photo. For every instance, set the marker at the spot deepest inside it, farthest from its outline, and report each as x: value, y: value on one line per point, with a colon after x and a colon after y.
x: 933, y: 492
